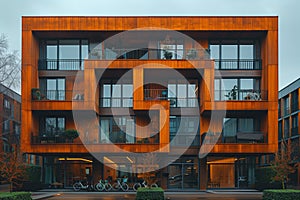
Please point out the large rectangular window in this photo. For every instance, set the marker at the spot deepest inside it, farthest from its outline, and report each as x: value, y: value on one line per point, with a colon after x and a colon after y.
x: 235, y: 54
x: 183, y: 94
x: 294, y: 101
x: 67, y: 54
x: 117, y: 129
x: 241, y: 130
x: 171, y: 51
x: 237, y: 89
x: 53, y: 88
x: 295, y: 125
x: 184, y: 131
x: 116, y: 94
x: 51, y: 126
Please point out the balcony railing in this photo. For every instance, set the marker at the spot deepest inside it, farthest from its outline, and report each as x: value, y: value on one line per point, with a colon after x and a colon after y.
x: 238, y: 64
x: 245, y: 137
x: 60, y: 64
x: 57, y: 95
x: 162, y: 94
x: 240, y: 95
x: 114, y: 102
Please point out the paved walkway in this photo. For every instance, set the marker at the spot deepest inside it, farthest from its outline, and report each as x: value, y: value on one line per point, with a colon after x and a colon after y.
x: 60, y: 193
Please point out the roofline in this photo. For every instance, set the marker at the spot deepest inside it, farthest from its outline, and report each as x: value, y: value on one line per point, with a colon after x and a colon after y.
x: 9, y: 92
x: 289, y: 88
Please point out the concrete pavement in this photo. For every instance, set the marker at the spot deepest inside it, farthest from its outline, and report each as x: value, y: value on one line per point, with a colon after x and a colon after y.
x: 209, y: 194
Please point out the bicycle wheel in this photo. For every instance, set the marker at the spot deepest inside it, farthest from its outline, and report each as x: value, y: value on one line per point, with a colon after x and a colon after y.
x: 115, y: 186
x: 154, y: 185
x: 76, y: 187
x: 108, y: 187
x: 136, y: 186
x: 125, y: 187
x: 99, y: 187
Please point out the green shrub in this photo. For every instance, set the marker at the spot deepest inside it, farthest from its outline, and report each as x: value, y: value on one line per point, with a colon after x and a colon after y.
x: 263, y: 179
x: 281, y: 194
x: 15, y: 196
x: 150, y: 194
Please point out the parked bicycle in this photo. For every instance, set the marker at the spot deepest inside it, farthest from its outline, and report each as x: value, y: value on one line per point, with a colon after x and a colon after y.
x: 103, y: 185
x: 144, y: 184
x: 82, y: 185
x: 121, y: 184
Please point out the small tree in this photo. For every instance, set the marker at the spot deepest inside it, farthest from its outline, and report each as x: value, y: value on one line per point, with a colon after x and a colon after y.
x: 283, y: 166
x: 12, y: 168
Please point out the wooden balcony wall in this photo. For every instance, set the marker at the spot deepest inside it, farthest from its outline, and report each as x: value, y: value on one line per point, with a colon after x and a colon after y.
x: 30, y: 55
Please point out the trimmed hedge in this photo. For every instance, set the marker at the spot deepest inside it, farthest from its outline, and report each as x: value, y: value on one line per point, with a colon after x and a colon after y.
x: 15, y: 196
x: 263, y: 179
x: 281, y: 194
x: 150, y: 194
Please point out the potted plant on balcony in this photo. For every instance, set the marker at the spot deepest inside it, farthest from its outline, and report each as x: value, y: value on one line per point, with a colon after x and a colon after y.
x: 36, y: 94
x: 167, y: 54
x: 232, y: 95
x: 71, y: 134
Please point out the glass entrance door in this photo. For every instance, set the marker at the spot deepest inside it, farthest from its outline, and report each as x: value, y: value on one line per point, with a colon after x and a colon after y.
x: 183, y: 176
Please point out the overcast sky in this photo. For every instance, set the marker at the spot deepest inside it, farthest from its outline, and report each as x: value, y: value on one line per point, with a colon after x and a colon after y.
x: 288, y: 11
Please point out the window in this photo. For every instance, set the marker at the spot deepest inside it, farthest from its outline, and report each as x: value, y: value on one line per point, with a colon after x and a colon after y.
x: 233, y: 54
x: 53, y: 88
x: 6, y: 123
x: 241, y: 130
x: 117, y: 129
x: 183, y: 94
x: 279, y: 130
x: 286, y: 105
x: 286, y: 128
x: 171, y: 51
x: 116, y: 94
x: 295, y: 125
x: 185, y: 129
x: 63, y: 54
x: 237, y: 89
x: 52, y: 126
x: 294, y: 103
x: 6, y: 104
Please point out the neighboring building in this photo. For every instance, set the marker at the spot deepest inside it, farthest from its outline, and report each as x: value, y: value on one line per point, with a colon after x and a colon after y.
x: 288, y: 123
x: 10, y: 120
x: 227, y: 66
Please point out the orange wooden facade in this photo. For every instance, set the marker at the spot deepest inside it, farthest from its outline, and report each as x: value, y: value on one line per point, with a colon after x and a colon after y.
x: 202, y: 29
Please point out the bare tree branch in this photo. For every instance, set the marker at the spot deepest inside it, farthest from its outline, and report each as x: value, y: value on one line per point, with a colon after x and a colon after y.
x: 10, y: 68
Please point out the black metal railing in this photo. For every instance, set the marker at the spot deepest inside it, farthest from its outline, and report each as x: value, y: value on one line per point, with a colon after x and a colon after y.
x: 162, y: 94
x: 244, y: 137
x: 238, y: 64
x: 240, y: 94
x: 60, y: 64
x: 57, y: 95
x: 114, y: 102
x: 153, y: 54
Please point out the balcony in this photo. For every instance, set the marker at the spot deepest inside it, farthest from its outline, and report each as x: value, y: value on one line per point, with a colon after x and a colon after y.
x: 238, y: 64
x: 56, y: 95
x: 240, y: 95
x: 115, y: 102
x: 162, y: 94
x: 60, y: 64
